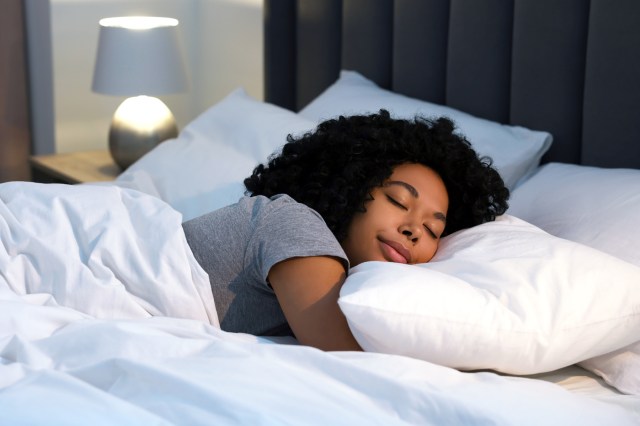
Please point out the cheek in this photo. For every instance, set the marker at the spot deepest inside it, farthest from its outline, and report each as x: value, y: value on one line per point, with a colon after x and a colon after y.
x: 354, y: 231
x: 354, y: 242
x: 428, y: 251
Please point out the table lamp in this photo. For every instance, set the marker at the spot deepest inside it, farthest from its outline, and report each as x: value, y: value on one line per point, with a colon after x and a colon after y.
x: 139, y: 56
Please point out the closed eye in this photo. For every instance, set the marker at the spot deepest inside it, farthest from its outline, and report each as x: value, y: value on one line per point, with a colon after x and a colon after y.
x: 430, y: 232
x: 396, y: 203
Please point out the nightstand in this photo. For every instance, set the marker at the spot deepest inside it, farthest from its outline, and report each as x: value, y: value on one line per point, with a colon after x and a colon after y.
x: 74, y: 167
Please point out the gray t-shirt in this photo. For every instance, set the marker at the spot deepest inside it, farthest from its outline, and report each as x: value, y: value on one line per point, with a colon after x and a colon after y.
x: 237, y: 246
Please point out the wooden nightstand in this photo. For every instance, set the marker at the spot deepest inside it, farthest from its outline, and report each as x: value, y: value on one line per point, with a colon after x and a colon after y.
x: 74, y: 167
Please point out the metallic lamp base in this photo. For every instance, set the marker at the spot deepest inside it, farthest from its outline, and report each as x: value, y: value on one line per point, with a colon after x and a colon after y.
x: 139, y: 124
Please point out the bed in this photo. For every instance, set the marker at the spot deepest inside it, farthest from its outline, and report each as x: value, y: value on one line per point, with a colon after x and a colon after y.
x: 106, y: 317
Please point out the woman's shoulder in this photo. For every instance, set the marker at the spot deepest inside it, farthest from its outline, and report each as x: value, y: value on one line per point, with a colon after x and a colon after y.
x: 269, y: 202
x: 280, y: 203
x: 252, y: 206
x: 257, y: 211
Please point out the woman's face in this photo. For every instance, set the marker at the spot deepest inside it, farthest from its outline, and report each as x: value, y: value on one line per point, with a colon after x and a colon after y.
x: 404, y: 221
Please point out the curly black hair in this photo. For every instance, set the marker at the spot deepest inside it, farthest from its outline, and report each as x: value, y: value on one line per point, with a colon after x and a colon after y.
x: 334, y: 168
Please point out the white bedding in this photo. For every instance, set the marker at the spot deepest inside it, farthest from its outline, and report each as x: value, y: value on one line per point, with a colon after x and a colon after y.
x: 105, y: 251
x: 66, y: 358
x: 171, y: 371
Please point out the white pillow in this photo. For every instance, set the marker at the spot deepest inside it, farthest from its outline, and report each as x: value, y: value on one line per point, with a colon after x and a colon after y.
x: 204, y: 168
x: 600, y: 208
x: 593, y: 206
x: 516, y: 151
x: 504, y: 295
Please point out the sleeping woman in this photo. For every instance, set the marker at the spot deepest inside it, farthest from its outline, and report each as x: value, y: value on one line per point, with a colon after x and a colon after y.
x: 357, y: 189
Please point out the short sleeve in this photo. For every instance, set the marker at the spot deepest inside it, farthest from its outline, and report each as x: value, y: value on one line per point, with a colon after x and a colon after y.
x: 286, y: 229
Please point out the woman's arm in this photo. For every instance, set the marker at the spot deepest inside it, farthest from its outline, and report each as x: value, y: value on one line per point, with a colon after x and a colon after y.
x: 307, y: 289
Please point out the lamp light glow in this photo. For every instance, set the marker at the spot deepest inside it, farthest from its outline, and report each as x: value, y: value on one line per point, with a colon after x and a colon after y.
x: 138, y: 22
x: 142, y: 113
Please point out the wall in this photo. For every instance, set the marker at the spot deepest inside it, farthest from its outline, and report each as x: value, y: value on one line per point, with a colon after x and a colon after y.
x: 14, y: 101
x: 38, y: 24
x: 222, y: 41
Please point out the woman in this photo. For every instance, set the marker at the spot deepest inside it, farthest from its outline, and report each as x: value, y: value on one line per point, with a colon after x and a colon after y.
x: 356, y: 189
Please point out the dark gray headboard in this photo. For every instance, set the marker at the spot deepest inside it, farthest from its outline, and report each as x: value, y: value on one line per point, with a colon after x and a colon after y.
x: 571, y: 67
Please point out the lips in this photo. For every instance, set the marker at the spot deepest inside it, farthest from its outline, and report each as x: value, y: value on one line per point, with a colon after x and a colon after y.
x: 395, y: 251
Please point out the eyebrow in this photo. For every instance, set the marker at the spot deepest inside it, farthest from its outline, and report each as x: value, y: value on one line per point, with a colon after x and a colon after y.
x: 406, y: 186
x: 414, y: 192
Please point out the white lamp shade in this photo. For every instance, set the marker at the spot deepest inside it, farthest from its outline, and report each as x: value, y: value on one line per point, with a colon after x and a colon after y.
x: 139, y: 56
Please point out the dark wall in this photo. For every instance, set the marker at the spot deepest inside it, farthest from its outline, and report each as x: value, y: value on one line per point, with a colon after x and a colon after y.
x: 15, y: 136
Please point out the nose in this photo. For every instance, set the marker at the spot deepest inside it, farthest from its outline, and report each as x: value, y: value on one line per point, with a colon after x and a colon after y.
x: 412, y: 232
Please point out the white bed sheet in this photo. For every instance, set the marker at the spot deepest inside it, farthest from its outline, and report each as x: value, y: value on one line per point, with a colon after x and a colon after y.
x: 163, y: 370
x: 583, y: 382
x: 64, y: 360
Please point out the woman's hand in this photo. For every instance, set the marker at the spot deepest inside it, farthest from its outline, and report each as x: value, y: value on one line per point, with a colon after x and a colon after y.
x: 307, y: 289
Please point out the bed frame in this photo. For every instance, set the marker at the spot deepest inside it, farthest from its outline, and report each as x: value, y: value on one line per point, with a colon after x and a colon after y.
x: 571, y: 67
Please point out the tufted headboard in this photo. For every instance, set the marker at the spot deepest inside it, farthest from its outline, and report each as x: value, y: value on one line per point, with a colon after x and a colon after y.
x: 570, y: 67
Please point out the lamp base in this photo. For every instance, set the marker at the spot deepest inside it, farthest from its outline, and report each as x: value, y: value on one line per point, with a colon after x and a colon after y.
x: 139, y: 124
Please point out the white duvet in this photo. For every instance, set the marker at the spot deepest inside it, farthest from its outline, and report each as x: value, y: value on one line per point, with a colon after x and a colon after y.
x: 106, y: 318
x: 104, y: 251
